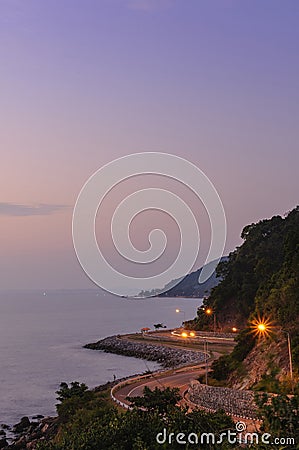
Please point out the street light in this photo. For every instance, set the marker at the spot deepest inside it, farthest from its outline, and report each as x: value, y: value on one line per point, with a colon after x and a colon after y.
x: 290, y: 358
x: 205, y: 350
x: 210, y: 312
x: 181, y: 311
x: 263, y: 327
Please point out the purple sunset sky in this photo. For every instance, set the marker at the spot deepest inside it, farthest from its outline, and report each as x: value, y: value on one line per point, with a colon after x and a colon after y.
x: 84, y: 82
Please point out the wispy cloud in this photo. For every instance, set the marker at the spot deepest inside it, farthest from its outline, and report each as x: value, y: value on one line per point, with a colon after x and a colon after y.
x: 149, y: 5
x: 42, y: 209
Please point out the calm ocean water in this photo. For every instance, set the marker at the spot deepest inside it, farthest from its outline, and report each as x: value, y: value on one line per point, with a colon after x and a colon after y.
x: 41, y: 338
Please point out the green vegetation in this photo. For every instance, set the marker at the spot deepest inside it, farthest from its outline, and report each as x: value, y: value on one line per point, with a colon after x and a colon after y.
x: 223, y: 366
x: 280, y: 415
x: 259, y: 279
x: 72, y: 398
x: 156, y: 400
x: 96, y: 424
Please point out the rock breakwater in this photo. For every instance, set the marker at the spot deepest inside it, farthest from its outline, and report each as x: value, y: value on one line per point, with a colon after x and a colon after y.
x: 164, y: 355
x: 233, y: 401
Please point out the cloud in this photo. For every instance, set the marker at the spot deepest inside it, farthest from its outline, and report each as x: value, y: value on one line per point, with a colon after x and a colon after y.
x: 149, y: 5
x: 13, y: 209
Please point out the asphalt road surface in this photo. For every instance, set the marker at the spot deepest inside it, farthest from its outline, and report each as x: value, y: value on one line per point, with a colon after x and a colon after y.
x: 179, y: 379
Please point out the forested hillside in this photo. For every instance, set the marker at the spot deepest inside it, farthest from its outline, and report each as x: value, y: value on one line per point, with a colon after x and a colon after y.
x: 260, y: 279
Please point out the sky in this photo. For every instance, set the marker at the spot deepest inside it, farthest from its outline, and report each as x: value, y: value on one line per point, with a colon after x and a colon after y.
x: 85, y: 82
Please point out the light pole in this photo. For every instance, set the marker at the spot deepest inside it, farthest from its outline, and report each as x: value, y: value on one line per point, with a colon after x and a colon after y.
x: 205, y: 349
x: 183, y: 312
x: 262, y: 327
x: 209, y: 312
x: 290, y: 358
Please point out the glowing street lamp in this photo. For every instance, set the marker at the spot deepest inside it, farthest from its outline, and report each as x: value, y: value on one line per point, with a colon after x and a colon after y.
x: 234, y: 329
x: 261, y: 327
x: 184, y: 334
x: 192, y: 334
x: 210, y: 312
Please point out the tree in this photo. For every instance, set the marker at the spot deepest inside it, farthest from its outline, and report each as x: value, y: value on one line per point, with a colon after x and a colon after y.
x: 157, y: 399
x: 74, y: 390
x: 280, y: 415
x: 97, y: 425
x: 260, y: 278
x: 72, y: 398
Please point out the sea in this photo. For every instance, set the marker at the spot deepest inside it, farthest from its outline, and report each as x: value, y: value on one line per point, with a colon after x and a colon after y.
x: 42, y: 334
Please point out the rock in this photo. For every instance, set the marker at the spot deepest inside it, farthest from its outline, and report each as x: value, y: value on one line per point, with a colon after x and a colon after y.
x: 38, y: 416
x: 32, y: 428
x: 232, y: 401
x: 45, y: 427
x: 166, y: 356
x: 23, y: 425
x: 3, y: 443
x: 32, y: 444
x: 20, y: 444
x: 2, y: 433
x: 4, y: 426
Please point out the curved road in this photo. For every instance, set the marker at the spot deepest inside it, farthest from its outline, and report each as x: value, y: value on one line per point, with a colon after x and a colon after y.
x: 179, y: 378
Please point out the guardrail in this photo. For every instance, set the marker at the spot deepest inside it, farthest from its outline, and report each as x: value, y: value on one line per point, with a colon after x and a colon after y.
x: 129, y: 381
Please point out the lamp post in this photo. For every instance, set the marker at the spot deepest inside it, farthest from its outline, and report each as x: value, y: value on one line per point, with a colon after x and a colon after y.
x: 205, y: 347
x: 263, y: 328
x: 209, y: 312
x: 183, y: 312
x: 290, y: 358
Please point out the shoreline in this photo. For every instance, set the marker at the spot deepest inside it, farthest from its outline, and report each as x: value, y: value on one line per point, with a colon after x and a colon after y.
x: 33, y: 431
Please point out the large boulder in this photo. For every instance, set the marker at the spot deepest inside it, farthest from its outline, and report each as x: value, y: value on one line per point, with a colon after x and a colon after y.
x: 23, y: 425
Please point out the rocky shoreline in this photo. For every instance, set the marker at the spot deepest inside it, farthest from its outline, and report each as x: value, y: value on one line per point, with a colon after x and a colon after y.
x: 166, y: 356
x: 28, y: 433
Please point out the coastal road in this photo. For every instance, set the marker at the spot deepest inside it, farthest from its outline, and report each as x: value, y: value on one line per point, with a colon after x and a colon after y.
x: 180, y: 379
